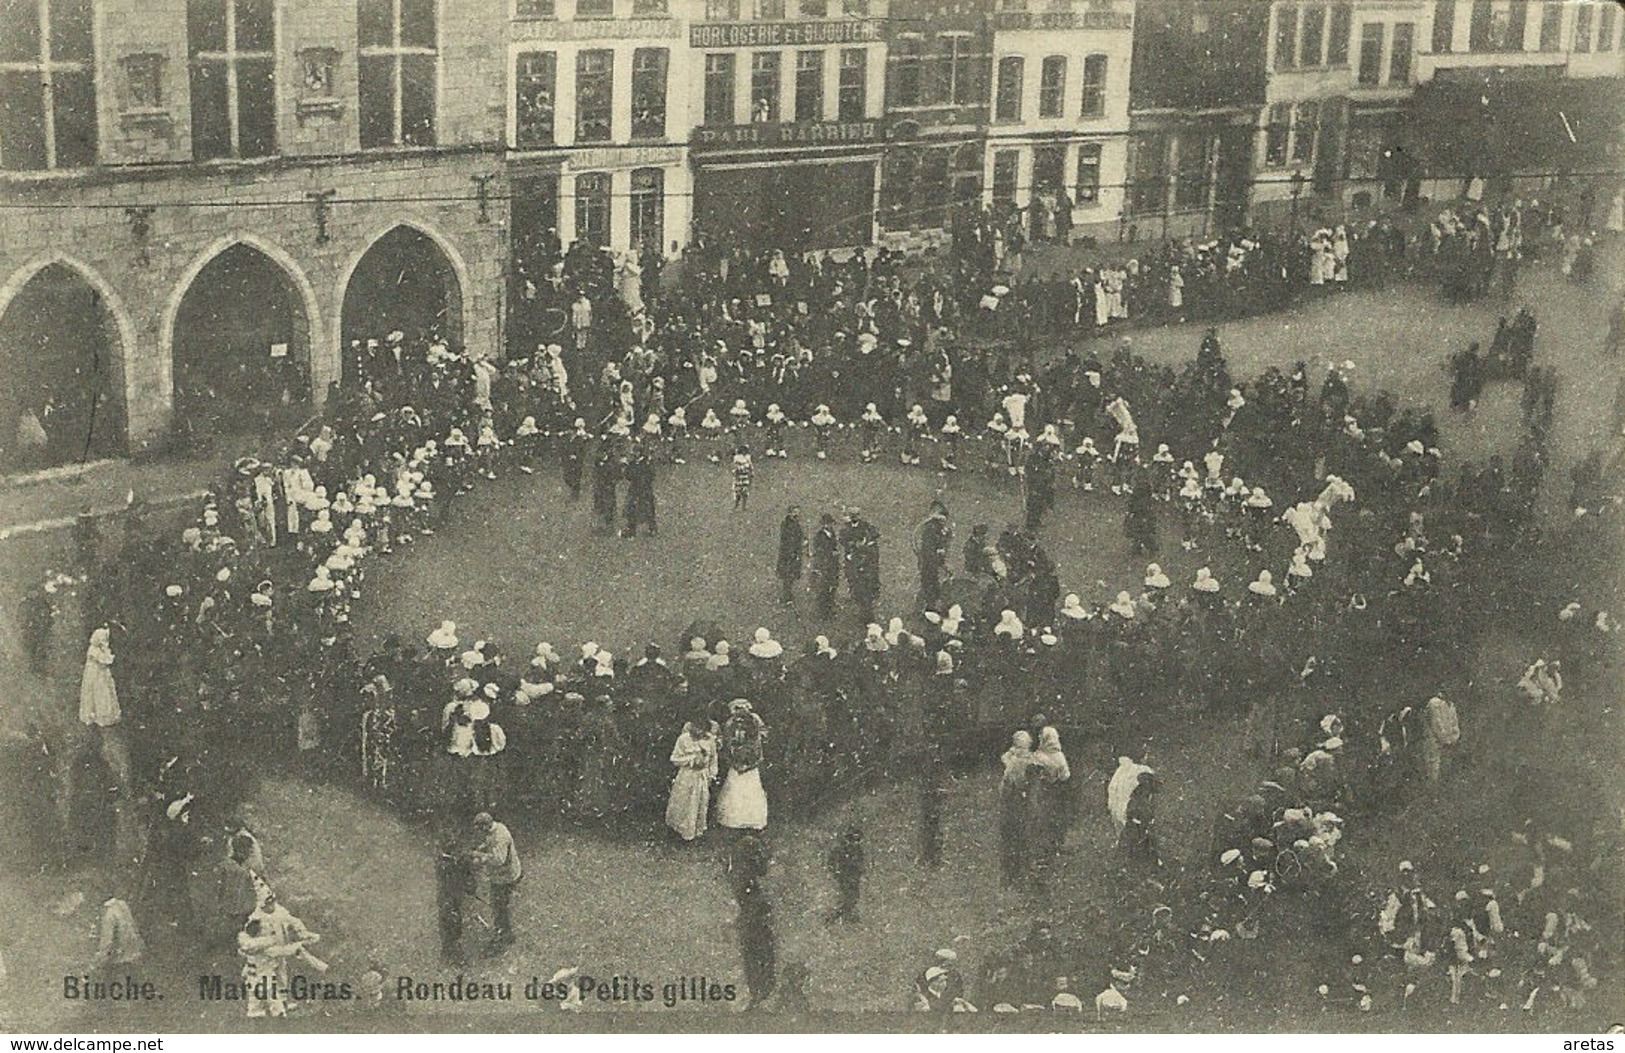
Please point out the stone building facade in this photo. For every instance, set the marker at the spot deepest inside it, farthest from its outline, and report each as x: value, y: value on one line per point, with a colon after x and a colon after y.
x: 254, y: 174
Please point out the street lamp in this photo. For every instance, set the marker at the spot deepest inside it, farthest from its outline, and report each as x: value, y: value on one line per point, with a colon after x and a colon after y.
x: 1297, y: 192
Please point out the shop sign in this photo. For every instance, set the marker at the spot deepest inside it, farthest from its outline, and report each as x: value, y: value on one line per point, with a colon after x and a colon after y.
x: 801, y: 133
x: 786, y: 34
x: 606, y: 157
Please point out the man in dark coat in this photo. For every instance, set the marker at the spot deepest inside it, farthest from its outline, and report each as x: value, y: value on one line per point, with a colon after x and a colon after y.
x: 860, y: 542
x: 606, y: 473
x: 574, y: 457
x: 936, y: 533
x: 826, y: 564
x: 640, y: 493
x: 758, y: 946
x: 792, y: 546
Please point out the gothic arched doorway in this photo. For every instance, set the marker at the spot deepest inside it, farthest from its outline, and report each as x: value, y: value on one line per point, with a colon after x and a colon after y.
x: 405, y: 282
x: 241, y: 346
x: 60, y: 352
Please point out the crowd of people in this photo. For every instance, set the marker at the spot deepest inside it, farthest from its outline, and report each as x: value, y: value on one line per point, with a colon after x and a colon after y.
x: 238, y: 627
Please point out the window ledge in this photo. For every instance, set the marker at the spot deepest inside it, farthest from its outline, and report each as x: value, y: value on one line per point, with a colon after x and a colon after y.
x: 319, y: 106
x: 146, y: 117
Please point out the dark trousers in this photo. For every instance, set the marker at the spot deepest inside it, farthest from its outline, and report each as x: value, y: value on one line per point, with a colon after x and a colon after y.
x: 758, y: 952
x: 502, y: 907
x: 847, y: 887
x: 787, y: 589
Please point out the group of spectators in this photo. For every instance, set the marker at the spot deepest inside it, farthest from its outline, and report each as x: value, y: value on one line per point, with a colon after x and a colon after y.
x: 237, y: 648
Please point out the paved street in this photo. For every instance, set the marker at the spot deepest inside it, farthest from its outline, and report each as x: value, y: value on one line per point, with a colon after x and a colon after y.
x: 648, y: 909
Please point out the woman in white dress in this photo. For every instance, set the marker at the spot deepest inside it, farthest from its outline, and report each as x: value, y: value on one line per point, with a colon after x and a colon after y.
x: 98, y: 695
x: 695, y: 756
x: 742, y: 804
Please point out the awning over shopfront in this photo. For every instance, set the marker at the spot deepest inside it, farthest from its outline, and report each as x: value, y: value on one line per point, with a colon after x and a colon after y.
x: 1487, y: 124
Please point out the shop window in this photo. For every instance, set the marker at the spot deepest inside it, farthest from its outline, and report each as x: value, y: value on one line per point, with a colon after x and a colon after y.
x: 595, y: 95
x: 1190, y: 173
x: 592, y: 209
x: 1088, y: 188
x: 809, y: 85
x: 1148, y: 160
x: 649, y: 67
x: 648, y: 205
x: 1006, y: 164
x: 1276, y: 135
x: 535, y: 88
x: 1305, y: 129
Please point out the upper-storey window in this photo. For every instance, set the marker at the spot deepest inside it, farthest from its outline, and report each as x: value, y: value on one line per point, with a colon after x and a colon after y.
x: 1444, y: 26
x: 1094, y: 86
x: 1052, y: 86
x: 1582, y: 27
x: 595, y: 95
x: 1337, y: 39
x: 1314, y: 35
x: 1551, y: 26
x: 764, y: 87
x: 1011, y: 73
x: 47, y: 84
x: 232, y: 44
x: 960, y: 77
x: 399, y: 72
x: 719, y: 88
x: 1286, y: 36
x: 649, y: 92
x: 809, y: 85
x: 908, y: 65
x: 1399, y: 67
x: 852, y: 90
x: 536, y: 89
x: 1497, y: 25
x: 595, y: 8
